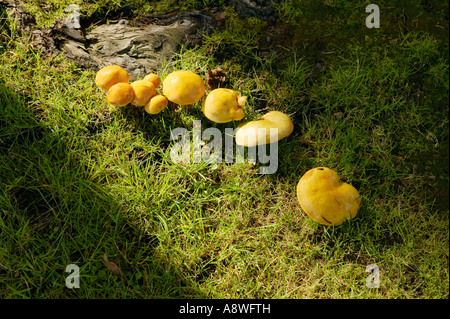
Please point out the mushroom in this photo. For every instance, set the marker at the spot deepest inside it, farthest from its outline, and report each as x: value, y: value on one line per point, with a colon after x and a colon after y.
x: 183, y: 87
x: 270, y: 128
x: 143, y: 91
x: 153, y: 78
x: 120, y: 94
x: 326, y: 200
x: 224, y: 105
x: 110, y: 75
x: 156, y: 104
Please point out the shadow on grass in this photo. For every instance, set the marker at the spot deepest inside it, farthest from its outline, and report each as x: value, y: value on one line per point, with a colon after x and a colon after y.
x: 53, y: 214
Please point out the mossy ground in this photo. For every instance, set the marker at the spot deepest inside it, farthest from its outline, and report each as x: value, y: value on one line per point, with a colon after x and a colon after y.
x: 80, y: 180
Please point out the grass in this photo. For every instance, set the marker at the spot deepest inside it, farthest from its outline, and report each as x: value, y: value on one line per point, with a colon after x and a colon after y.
x: 80, y: 179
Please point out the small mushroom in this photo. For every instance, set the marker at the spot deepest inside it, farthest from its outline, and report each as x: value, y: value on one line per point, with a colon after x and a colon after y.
x: 326, y: 200
x: 153, y: 78
x: 270, y: 128
x: 143, y: 91
x: 110, y: 75
x: 183, y: 87
x: 156, y: 104
x: 120, y: 94
x: 224, y: 105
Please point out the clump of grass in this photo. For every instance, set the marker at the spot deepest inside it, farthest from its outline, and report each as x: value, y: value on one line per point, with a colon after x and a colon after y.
x: 237, y: 42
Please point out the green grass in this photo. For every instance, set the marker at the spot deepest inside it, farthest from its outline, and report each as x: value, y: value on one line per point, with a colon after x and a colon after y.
x: 80, y: 179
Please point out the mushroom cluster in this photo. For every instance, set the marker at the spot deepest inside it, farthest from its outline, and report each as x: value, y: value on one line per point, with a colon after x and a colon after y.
x: 115, y: 80
x: 320, y: 194
x: 183, y: 87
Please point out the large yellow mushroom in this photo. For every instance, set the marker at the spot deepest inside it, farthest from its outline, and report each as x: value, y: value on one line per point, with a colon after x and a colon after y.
x: 110, y: 75
x: 326, y: 200
x: 224, y: 105
x: 270, y: 128
x: 183, y: 87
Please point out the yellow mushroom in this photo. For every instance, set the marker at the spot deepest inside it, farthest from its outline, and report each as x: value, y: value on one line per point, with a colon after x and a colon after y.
x: 326, y: 200
x: 156, y: 104
x: 270, y: 128
x: 223, y: 105
x: 153, y: 78
x: 183, y: 87
x: 110, y: 75
x: 143, y: 91
x: 120, y: 94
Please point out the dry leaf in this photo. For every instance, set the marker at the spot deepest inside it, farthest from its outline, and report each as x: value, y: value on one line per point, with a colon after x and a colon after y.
x: 112, y: 267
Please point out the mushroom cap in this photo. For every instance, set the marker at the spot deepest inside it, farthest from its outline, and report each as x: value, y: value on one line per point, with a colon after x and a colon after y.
x: 154, y: 78
x: 270, y: 128
x: 143, y: 91
x: 110, y: 75
x: 223, y: 105
x: 326, y: 200
x: 183, y: 87
x: 120, y: 94
x: 156, y: 104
